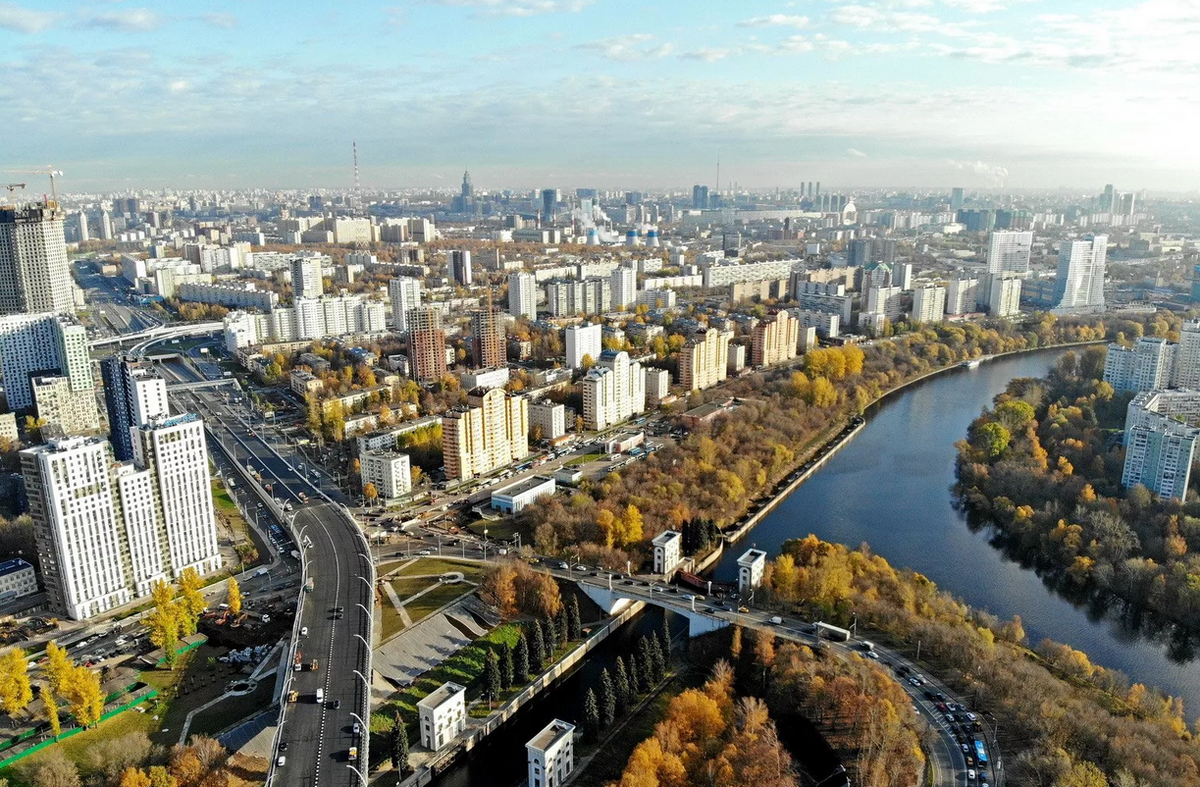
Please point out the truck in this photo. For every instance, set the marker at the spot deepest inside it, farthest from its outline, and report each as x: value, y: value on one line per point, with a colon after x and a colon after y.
x: 830, y: 632
x: 296, y: 665
x: 308, y: 586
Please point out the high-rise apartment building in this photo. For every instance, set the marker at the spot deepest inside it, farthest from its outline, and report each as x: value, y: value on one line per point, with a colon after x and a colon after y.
x: 487, y: 339
x: 614, y: 390
x: 134, y: 394
x: 1187, y: 356
x: 459, y: 267
x: 105, y: 531
x: 426, y: 344
x: 961, y: 295
x: 522, y: 295
x: 956, y: 199
x: 884, y: 301
x: 583, y: 340
x: 624, y: 287
x: 775, y: 339
x: 1000, y: 294
x: 489, y: 432
x: 1080, y: 282
x: 702, y: 361
x: 405, y: 293
x: 39, y: 345
x: 860, y: 251
x: 73, y: 412
x: 1146, y: 366
x: 306, y: 278
x: 1160, y: 441
x: 1009, y: 251
x: 34, y: 273
x: 929, y: 304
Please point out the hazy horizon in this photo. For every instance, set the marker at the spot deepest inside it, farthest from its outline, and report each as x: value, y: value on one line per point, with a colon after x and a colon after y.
x: 996, y: 95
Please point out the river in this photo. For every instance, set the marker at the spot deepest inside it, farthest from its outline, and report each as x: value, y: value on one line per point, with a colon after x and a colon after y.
x: 891, y: 487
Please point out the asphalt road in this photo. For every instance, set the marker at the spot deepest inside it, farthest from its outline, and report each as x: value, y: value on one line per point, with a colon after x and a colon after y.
x: 315, y: 738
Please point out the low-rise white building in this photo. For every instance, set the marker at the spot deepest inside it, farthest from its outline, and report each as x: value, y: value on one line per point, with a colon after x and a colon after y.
x: 389, y: 472
x: 668, y: 551
x: 551, y: 754
x: 750, y: 569
x: 17, y: 578
x: 485, y: 378
x: 514, y: 497
x: 443, y: 715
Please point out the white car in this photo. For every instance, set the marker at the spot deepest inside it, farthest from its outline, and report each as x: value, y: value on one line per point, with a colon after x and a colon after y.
x: 304, y: 631
x: 279, y: 763
x: 970, y: 774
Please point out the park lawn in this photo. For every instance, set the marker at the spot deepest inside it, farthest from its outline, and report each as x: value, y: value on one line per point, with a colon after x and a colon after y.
x: 391, y: 623
x: 387, y: 568
x: 437, y: 565
x: 437, y: 598
x: 502, y: 529
x: 411, y: 586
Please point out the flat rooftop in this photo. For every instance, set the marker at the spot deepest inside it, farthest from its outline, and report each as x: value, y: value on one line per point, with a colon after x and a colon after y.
x: 553, y: 732
x: 440, y: 695
x: 752, y: 555
x: 16, y: 564
x: 523, y: 486
x: 665, y: 537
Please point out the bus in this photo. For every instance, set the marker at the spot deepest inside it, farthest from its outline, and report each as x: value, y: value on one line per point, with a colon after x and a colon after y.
x: 980, y: 753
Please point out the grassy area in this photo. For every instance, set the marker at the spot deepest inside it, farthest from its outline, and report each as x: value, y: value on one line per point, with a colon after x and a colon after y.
x: 435, y: 565
x: 465, y: 667
x: 411, y: 586
x: 387, y: 568
x: 583, y: 460
x: 435, y: 599
x: 391, y: 623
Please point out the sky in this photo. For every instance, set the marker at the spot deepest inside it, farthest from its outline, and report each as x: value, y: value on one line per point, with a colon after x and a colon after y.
x: 984, y: 94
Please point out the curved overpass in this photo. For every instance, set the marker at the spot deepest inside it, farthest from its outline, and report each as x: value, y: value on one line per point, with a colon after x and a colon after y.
x: 160, y: 332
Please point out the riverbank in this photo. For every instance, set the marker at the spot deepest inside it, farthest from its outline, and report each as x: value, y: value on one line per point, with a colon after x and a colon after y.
x: 835, y: 443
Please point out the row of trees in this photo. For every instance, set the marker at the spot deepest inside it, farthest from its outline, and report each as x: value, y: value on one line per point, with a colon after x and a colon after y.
x: 718, y: 471
x: 78, y: 687
x: 1041, y: 465
x: 515, y: 588
x: 176, y: 613
x: 132, y: 761
x: 1057, y: 709
x: 621, y: 688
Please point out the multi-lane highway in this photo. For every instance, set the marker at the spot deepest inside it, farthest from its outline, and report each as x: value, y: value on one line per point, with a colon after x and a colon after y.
x: 313, y: 743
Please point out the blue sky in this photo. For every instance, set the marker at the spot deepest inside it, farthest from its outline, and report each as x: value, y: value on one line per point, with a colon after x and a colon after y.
x: 607, y: 93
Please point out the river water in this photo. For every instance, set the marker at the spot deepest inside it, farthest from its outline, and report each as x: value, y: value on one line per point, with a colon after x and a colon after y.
x: 891, y: 487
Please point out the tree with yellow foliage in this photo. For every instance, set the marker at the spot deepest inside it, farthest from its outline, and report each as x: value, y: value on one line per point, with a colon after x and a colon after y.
x: 191, y: 602
x: 163, y: 621
x: 84, y: 696
x: 233, y: 596
x: 15, y: 691
x: 135, y: 777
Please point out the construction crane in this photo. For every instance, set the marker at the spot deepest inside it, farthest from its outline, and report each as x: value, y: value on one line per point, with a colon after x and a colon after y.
x: 51, y: 171
x: 13, y: 187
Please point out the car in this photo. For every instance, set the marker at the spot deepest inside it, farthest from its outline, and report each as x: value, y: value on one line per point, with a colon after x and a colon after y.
x: 279, y: 763
x: 337, y: 704
x: 964, y: 747
x: 872, y: 654
x: 743, y: 609
x: 561, y: 566
x: 283, y: 746
x: 914, y: 682
x: 304, y: 631
x: 339, y: 609
x: 970, y: 774
x: 425, y: 552
x: 357, y: 728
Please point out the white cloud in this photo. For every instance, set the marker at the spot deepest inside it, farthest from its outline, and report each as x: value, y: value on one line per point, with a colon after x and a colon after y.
x: 516, y: 8
x: 707, y: 55
x: 221, y: 20
x: 776, y: 20
x: 628, y: 48
x: 178, y: 85
x: 25, y: 20
x: 134, y: 20
x: 855, y: 153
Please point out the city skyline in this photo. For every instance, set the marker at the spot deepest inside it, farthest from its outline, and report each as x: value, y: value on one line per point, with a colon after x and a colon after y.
x: 924, y: 93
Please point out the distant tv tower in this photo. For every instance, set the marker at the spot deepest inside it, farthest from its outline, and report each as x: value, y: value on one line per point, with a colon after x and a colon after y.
x: 357, y: 185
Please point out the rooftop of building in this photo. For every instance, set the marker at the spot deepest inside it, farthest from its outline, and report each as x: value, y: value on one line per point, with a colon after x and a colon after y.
x: 13, y: 565
x: 441, y: 695
x: 550, y: 735
x: 166, y: 422
x: 665, y: 537
x: 752, y: 556
x: 523, y: 486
